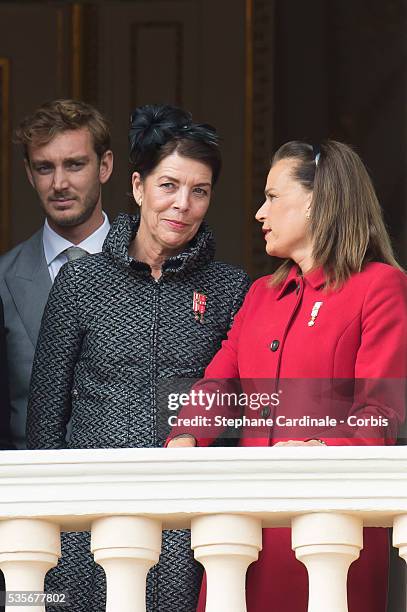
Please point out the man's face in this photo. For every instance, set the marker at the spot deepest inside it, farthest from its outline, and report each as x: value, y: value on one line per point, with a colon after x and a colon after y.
x: 67, y: 175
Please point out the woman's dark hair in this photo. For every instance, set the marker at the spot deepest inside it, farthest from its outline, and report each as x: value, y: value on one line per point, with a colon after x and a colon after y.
x: 346, y: 222
x: 157, y: 131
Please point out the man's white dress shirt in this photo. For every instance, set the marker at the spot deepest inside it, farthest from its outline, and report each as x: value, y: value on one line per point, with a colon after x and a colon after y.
x: 54, y: 245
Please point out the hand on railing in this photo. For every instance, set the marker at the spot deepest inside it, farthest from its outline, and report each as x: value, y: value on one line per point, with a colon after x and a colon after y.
x: 182, y: 441
x: 301, y: 443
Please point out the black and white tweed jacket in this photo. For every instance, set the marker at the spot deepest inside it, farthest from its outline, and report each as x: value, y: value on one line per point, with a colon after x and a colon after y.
x: 110, y: 333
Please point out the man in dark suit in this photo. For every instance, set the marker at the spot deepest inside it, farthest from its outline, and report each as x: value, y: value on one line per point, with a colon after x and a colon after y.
x: 67, y: 157
x: 5, y: 437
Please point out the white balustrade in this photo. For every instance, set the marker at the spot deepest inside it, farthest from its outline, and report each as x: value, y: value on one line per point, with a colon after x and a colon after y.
x: 400, y: 535
x: 127, y: 496
x: 226, y: 545
x: 28, y: 549
x: 327, y: 544
x: 126, y: 547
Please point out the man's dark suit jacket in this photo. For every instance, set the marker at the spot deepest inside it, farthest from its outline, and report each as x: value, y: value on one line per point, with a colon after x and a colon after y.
x: 5, y: 436
x: 24, y: 287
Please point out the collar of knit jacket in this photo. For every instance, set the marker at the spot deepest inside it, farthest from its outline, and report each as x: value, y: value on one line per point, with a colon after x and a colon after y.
x: 199, y: 251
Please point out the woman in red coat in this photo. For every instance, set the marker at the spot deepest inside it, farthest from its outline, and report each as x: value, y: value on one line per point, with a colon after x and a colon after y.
x: 334, y: 316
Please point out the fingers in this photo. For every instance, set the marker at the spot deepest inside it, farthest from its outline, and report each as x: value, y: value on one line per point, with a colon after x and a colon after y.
x: 182, y: 442
x: 300, y: 443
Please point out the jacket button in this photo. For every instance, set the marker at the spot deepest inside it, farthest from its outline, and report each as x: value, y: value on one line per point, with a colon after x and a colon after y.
x: 75, y: 393
x: 274, y: 345
x: 265, y: 412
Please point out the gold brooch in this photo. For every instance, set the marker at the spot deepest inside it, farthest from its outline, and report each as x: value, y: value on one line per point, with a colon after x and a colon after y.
x: 314, y: 313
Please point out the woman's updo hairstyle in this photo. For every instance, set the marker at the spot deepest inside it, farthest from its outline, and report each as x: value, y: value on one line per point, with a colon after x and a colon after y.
x: 157, y: 131
x: 346, y: 221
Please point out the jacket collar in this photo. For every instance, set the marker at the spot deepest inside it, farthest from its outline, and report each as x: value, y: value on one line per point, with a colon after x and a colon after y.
x: 315, y: 279
x: 198, y: 252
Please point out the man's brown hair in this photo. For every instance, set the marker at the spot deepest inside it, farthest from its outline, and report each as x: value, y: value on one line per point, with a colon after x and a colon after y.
x: 59, y: 116
x: 346, y: 223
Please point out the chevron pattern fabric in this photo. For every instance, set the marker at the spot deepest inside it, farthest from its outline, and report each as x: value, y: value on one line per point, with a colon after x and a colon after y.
x: 110, y: 335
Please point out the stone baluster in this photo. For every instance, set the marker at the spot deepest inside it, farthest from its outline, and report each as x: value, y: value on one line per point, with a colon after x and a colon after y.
x: 327, y: 544
x: 28, y: 549
x: 400, y: 535
x: 226, y: 545
x: 126, y: 547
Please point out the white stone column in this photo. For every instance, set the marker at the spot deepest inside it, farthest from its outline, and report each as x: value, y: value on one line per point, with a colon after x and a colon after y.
x: 126, y: 547
x: 327, y: 544
x: 226, y: 544
x: 400, y: 535
x: 28, y: 549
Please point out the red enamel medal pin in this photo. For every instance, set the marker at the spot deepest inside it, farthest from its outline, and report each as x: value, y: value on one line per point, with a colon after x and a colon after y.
x: 199, y: 306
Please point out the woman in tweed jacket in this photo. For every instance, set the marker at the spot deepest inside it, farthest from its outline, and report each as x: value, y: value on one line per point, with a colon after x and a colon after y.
x: 119, y: 322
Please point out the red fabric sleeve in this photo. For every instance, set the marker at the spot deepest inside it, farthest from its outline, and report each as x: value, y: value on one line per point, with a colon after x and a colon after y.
x: 381, y: 364
x: 218, y: 378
